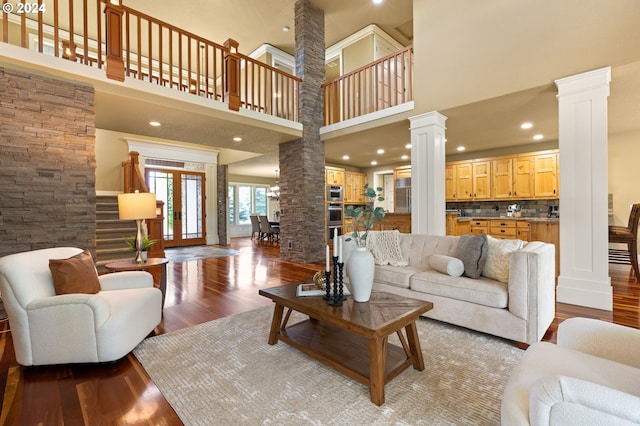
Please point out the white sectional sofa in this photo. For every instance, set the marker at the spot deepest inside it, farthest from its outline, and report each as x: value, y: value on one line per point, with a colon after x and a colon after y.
x: 521, y: 309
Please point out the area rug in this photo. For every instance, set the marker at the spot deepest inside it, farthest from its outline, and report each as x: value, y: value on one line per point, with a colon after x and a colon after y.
x: 224, y: 372
x: 186, y: 254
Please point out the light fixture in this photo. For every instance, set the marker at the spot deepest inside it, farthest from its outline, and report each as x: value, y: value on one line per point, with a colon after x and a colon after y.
x: 237, y: 139
x: 137, y: 206
x: 377, y: 1
x: 461, y: 148
x: 408, y: 146
x: 526, y: 125
x: 380, y: 151
x: 345, y: 157
x: 538, y: 137
x: 285, y: 29
x: 274, y: 191
x: 405, y: 157
x: 374, y: 163
x: 155, y: 123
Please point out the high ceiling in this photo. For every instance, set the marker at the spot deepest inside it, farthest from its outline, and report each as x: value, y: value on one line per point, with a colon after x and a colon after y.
x: 480, y: 126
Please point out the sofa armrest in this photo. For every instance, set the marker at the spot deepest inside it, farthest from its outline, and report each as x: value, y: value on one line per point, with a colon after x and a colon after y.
x: 602, y: 339
x: 531, y: 287
x: 566, y: 400
x: 125, y: 280
x: 83, y: 308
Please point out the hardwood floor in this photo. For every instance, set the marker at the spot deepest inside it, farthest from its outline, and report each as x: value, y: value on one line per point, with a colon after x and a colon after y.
x: 121, y: 392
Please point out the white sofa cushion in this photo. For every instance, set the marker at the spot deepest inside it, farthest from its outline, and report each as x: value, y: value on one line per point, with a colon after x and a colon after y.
x: 545, y: 359
x: 447, y: 264
x: 498, y: 257
x: 482, y: 291
x: 397, y: 276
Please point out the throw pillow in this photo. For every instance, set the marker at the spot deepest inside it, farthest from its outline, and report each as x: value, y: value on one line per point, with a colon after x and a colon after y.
x: 446, y: 264
x: 76, y: 274
x: 499, y: 258
x: 472, y: 251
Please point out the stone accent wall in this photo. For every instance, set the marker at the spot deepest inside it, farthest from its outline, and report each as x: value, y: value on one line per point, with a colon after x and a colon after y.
x: 47, y: 163
x: 302, y: 161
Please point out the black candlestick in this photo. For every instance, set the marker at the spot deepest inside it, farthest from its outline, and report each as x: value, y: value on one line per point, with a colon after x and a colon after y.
x: 341, y: 295
x: 327, y: 285
x: 334, y: 300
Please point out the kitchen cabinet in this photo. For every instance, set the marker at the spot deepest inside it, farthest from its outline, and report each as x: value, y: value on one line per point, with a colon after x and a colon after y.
x: 402, y: 172
x: 478, y: 227
x: 464, y: 181
x: 451, y: 224
x: 463, y: 227
x: 334, y: 176
x: 391, y: 221
x: 450, y: 182
x: 523, y: 177
x: 546, y: 175
x: 481, y: 180
x: 522, y: 230
x: 504, y: 229
x: 502, y: 178
x: 354, y: 187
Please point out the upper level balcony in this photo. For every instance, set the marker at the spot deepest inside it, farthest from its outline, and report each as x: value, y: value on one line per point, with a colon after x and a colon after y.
x: 127, y: 44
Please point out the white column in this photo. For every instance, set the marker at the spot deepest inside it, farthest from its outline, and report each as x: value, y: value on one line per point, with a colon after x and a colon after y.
x: 427, y: 174
x: 584, y: 266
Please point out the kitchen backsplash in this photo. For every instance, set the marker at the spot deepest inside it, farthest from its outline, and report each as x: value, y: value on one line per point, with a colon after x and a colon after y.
x: 530, y: 208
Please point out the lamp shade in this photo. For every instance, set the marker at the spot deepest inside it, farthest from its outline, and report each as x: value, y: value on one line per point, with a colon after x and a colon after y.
x: 137, y: 205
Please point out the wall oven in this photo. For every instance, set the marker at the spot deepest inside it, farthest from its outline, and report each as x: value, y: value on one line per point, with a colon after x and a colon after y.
x: 334, y: 214
x: 330, y: 230
x: 334, y: 193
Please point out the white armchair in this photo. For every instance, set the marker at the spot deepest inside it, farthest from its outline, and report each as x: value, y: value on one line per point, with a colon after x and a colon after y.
x: 74, y: 328
x: 592, y: 376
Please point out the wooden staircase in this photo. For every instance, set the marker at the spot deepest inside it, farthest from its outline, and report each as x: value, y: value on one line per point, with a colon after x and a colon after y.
x: 111, y: 232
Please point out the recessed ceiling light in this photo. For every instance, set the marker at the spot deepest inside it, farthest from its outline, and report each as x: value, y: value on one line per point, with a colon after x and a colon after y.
x: 538, y: 137
x: 445, y: 139
x: 374, y: 163
x: 155, y: 123
x: 526, y: 125
x: 345, y: 157
x: 377, y: 1
x: 405, y: 157
x: 285, y: 29
x: 237, y: 139
x: 408, y: 146
x: 380, y: 151
x: 461, y: 148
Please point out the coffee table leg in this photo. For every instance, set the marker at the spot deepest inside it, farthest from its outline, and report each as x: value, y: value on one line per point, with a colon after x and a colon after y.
x: 275, y: 324
x: 377, y: 360
x: 414, y: 346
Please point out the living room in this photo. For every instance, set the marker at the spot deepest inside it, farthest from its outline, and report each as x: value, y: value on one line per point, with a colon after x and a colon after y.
x: 518, y: 74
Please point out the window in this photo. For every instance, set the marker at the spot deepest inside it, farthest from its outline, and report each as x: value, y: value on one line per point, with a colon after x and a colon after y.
x: 245, y: 200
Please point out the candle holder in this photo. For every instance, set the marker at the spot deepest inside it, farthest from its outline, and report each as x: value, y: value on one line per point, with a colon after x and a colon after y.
x: 334, y: 300
x: 327, y: 285
x: 341, y: 295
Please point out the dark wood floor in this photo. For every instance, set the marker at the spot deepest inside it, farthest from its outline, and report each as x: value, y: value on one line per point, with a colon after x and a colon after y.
x: 122, y: 393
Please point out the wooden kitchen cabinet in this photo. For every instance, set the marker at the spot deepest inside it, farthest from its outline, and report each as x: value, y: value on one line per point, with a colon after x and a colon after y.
x: 477, y: 227
x: 464, y: 181
x: 450, y: 182
x: 523, y: 177
x: 546, y: 175
x: 547, y: 233
x: 522, y: 230
x: 463, y: 227
x: 402, y: 172
x: 354, y: 187
x: 452, y: 224
x: 504, y: 229
x: 334, y: 176
x: 502, y: 178
x: 391, y: 221
x: 482, y: 180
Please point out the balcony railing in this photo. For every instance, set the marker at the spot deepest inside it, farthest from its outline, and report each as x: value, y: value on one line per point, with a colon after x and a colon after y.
x: 382, y: 84
x: 129, y: 43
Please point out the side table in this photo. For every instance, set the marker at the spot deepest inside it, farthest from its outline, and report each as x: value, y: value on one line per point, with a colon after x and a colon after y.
x: 150, y: 263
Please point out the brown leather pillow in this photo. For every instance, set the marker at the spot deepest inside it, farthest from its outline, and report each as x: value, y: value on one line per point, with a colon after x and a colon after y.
x: 76, y: 274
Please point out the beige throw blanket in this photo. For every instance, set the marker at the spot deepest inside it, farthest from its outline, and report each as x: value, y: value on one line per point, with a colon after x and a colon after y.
x: 385, y: 247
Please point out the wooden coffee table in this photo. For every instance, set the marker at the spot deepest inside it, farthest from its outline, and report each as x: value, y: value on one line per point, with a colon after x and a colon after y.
x: 352, y: 338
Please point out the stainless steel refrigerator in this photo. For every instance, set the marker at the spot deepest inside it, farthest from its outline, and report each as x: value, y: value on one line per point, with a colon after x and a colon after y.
x: 403, y: 195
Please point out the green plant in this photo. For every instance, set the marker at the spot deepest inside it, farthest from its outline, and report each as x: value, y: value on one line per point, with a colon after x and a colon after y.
x: 146, y: 242
x: 364, y: 217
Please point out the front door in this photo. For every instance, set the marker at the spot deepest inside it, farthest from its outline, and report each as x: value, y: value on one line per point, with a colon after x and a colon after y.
x: 184, y: 200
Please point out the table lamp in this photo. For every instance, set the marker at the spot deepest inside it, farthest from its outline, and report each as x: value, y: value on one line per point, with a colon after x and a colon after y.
x: 137, y: 206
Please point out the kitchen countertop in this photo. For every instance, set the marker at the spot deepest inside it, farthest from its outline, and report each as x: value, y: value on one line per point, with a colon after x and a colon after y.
x: 528, y: 219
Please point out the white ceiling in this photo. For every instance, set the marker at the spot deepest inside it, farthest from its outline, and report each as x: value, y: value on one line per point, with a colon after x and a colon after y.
x: 480, y: 126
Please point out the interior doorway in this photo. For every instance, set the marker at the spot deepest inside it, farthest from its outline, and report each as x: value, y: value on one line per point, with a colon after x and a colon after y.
x: 183, y: 194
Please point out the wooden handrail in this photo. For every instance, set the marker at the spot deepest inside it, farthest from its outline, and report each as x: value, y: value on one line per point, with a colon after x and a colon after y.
x: 370, y: 88
x: 153, y: 51
x: 133, y: 179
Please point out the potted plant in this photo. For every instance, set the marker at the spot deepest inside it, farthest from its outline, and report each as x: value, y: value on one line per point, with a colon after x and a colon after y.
x: 146, y: 244
x: 364, y: 217
x: 360, y: 265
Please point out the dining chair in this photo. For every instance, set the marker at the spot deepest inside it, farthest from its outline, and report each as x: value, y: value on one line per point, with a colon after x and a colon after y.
x: 626, y: 235
x: 268, y: 231
x: 255, y: 227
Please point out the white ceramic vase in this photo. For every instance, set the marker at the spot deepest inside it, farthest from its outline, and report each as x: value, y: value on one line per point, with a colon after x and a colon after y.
x: 360, y: 270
